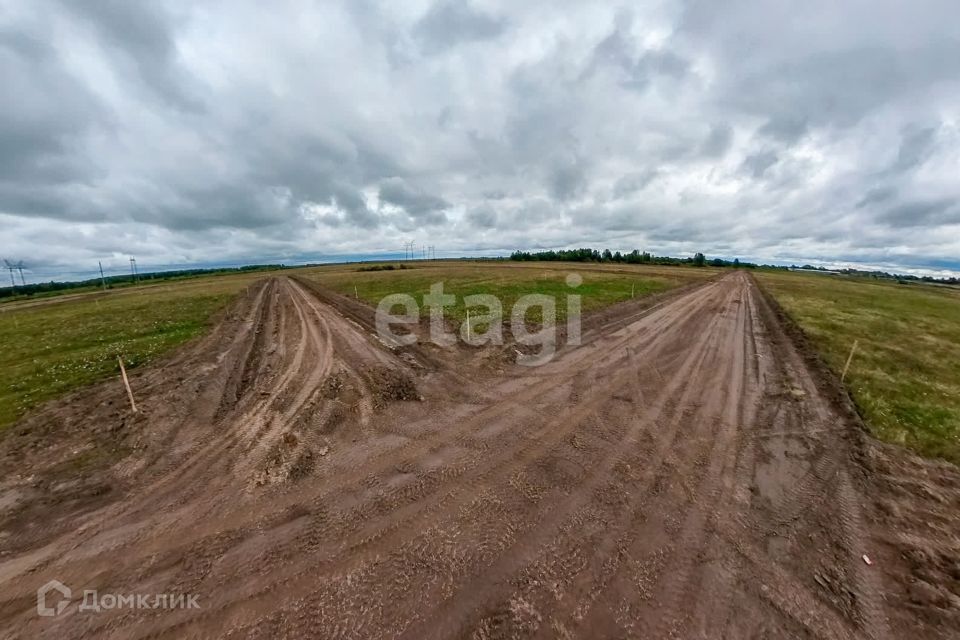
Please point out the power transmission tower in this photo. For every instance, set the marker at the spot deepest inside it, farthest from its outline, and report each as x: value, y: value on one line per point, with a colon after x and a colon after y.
x: 133, y: 270
x: 10, y: 268
x: 103, y: 281
x: 20, y: 269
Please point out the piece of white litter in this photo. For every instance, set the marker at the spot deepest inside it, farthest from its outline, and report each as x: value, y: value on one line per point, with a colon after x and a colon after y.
x: 866, y: 559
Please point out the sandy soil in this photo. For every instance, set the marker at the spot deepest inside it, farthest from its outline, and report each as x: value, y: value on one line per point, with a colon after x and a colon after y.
x: 690, y: 471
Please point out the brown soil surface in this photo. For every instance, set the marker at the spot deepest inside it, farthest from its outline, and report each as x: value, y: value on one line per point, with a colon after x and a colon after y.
x: 691, y: 471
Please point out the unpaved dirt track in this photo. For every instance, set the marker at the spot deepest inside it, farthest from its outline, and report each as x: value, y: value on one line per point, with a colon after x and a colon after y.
x: 681, y: 474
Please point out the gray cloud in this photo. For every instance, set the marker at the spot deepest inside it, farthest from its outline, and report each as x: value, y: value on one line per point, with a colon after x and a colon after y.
x: 877, y: 195
x: 784, y: 128
x: 916, y: 147
x: 421, y: 206
x: 637, y: 67
x: 164, y: 130
x: 483, y: 217
x: 142, y: 34
x: 920, y: 213
x: 635, y: 181
x: 756, y: 164
x: 448, y: 23
x: 718, y: 142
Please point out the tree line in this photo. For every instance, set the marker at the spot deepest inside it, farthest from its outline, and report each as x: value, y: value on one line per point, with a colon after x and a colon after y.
x: 634, y: 257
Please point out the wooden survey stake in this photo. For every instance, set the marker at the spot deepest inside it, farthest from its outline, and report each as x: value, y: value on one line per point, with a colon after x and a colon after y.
x: 126, y: 383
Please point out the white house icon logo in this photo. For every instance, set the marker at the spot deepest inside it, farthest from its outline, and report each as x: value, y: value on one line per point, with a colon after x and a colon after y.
x: 49, y: 592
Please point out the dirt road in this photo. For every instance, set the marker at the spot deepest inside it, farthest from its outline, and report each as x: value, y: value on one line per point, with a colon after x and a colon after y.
x: 682, y: 474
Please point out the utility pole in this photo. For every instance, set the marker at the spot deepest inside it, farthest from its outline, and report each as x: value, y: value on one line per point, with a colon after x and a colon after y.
x: 102, y: 279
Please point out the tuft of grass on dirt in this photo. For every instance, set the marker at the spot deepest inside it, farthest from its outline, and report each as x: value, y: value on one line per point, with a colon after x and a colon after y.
x: 601, y: 286
x: 905, y: 374
x: 58, y: 345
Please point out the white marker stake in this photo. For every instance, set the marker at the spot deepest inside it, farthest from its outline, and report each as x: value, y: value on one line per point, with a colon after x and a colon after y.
x: 849, y: 359
x: 632, y: 285
x: 126, y: 383
x: 469, y: 338
x: 355, y: 294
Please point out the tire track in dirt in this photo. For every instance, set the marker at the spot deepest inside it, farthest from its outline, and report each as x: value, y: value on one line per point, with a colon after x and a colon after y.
x: 355, y: 516
x: 575, y: 507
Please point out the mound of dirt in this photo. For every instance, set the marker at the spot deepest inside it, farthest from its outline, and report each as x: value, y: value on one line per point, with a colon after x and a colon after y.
x: 391, y: 384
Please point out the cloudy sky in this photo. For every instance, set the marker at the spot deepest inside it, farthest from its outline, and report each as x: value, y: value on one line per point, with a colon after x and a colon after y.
x: 187, y: 132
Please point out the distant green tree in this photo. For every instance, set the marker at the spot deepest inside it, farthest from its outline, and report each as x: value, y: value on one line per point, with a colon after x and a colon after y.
x: 736, y: 263
x: 699, y: 259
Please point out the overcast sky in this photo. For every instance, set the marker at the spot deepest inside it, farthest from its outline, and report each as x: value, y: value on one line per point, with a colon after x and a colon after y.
x: 184, y: 132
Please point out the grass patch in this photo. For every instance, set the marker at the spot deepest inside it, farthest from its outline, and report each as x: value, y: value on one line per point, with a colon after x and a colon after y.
x: 905, y: 376
x: 52, y: 347
x: 602, y: 285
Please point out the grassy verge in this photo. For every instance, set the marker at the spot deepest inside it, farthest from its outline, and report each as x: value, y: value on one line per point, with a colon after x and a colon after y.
x: 602, y: 285
x: 905, y: 376
x: 52, y: 347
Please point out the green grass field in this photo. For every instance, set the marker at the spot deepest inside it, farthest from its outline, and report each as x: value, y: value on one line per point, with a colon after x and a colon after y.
x: 905, y: 375
x: 602, y: 284
x: 57, y: 344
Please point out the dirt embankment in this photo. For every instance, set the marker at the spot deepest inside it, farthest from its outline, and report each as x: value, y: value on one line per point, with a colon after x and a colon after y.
x: 684, y: 473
